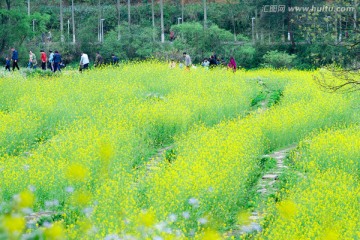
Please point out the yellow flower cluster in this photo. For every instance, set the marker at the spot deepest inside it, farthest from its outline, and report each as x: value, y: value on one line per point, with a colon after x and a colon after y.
x: 325, y: 204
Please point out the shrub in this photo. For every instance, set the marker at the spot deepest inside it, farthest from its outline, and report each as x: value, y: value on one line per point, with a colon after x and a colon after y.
x: 277, y: 59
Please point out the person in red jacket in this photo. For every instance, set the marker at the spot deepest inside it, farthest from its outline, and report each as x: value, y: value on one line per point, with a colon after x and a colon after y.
x: 43, y: 59
x: 232, y: 64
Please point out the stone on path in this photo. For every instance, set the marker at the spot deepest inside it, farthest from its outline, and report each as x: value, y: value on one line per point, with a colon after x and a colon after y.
x: 254, y: 218
x: 270, y: 176
x: 272, y: 182
x: 263, y: 190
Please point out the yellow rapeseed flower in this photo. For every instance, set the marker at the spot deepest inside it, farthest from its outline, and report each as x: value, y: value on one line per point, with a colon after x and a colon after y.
x: 106, y: 152
x: 210, y: 234
x: 147, y: 218
x: 287, y: 209
x: 55, y: 232
x: 13, y: 225
x: 77, y: 172
x: 81, y: 198
x: 25, y: 199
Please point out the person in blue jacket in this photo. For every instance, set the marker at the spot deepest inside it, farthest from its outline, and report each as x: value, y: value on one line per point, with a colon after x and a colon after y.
x: 115, y: 59
x: 57, y: 60
x: 7, y: 64
x: 15, y: 58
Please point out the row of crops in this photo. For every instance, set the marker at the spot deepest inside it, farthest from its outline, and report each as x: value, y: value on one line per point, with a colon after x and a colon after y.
x: 78, y: 146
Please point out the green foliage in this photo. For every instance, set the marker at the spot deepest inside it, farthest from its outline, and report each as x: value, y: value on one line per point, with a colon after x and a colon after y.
x: 137, y: 43
x: 16, y: 25
x: 275, y: 97
x: 260, y: 97
x: 278, y: 59
x: 267, y: 163
x: 245, y: 55
x: 200, y: 43
x: 314, y: 32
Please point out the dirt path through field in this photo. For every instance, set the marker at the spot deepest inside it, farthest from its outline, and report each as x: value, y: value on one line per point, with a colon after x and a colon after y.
x: 265, y: 187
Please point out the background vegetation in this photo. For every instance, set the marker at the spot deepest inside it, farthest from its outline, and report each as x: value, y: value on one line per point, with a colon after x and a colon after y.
x: 316, y: 38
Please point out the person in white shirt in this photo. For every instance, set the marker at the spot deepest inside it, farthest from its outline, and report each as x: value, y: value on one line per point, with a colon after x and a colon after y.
x: 84, y: 61
x: 51, y: 60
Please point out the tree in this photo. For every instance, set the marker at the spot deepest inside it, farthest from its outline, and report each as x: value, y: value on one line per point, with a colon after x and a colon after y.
x: 343, y: 77
x: 15, y: 25
x: 278, y: 59
x: 232, y: 17
x: 199, y: 43
x: 335, y: 79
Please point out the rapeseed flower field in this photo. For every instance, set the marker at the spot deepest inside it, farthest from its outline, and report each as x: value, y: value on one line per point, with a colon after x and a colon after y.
x: 79, y: 154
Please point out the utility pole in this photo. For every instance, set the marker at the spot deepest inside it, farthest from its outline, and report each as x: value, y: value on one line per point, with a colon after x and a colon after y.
x: 182, y: 11
x: 340, y: 30
x: 205, y: 14
x: 61, y: 23
x: 28, y: 3
x: 162, y: 21
x: 129, y: 12
x: 118, y: 17
x: 153, y: 18
x: 68, y: 22
x: 355, y: 13
x: 100, y: 17
x: 253, y: 29
x: 102, y: 30
x: 73, y: 20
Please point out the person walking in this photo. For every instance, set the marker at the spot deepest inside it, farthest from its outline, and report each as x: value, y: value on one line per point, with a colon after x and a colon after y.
x: 84, y: 62
x: 115, y: 59
x: 98, y: 60
x: 32, y: 60
x: 232, y: 64
x: 51, y: 60
x: 57, y: 60
x: 187, y: 60
x: 15, y: 58
x: 43, y: 59
x: 7, y: 64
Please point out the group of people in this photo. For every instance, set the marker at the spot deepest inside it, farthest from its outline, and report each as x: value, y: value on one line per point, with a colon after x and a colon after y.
x: 213, y: 61
x: 207, y: 63
x: 54, y: 61
x: 99, y: 60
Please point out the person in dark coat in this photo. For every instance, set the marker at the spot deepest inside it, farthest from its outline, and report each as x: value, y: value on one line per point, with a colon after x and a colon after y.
x: 212, y: 62
x: 7, y: 64
x: 57, y: 61
x: 98, y: 60
x: 115, y: 59
x: 15, y: 58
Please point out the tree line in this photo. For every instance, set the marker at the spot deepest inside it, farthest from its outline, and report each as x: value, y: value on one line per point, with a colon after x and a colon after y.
x: 141, y: 29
